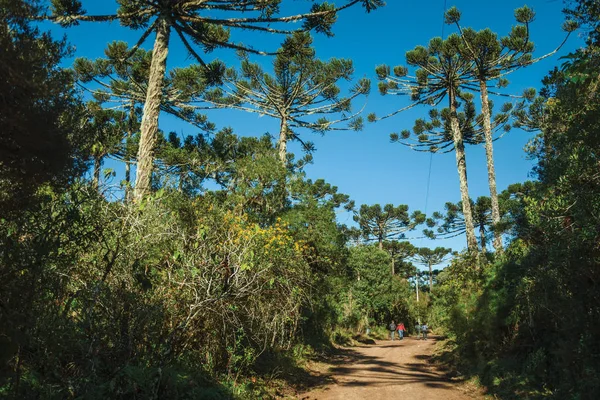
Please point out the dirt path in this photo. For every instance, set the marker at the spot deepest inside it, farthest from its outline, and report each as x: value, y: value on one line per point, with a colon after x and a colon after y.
x: 398, y: 369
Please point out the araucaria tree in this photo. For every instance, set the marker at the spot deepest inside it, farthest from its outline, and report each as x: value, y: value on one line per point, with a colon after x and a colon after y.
x: 431, y: 257
x: 302, y: 92
x: 386, y: 223
x: 399, y: 252
x: 106, y: 129
x: 442, y: 73
x: 452, y: 222
x: 120, y: 81
x: 199, y: 24
x: 492, y: 59
x: 435, y: 133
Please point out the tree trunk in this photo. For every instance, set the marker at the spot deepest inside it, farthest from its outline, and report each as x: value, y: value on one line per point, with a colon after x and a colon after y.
x: 149, y: 127
x: 127, y: 155
x: 127, y: 179
x: 461, y: 165
x: 181, y: 181
x: 97, y: 167
x: 547, y: 146
x: 393, y: 267
x: 482, y: 240
x: 430, y: 277
x: 283, y: 140
x: 489, y: 154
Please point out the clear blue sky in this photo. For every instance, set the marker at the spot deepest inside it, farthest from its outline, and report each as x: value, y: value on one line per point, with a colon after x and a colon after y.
x: 365, y: 164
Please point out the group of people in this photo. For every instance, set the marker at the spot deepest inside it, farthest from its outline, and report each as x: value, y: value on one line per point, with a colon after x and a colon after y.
x: 400, y: 328
x: 421, y: 329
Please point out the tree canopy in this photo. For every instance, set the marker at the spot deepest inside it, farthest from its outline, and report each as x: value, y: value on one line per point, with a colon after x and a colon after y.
x: 302, y: 92
x: 390, y: 222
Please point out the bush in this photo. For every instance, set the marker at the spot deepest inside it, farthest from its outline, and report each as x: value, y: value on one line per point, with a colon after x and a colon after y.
x: 159, y: 298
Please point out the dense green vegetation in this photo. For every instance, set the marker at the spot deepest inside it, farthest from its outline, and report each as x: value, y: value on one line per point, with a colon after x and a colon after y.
x: 222, y: 267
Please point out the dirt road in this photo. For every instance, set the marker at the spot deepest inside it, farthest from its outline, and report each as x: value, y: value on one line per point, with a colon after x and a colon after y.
x: 386, y: 369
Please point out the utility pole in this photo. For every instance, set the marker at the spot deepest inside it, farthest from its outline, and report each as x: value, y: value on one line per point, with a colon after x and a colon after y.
x: 417, y: 284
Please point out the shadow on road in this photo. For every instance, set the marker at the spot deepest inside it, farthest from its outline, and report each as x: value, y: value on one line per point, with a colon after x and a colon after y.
x: 355, y: 369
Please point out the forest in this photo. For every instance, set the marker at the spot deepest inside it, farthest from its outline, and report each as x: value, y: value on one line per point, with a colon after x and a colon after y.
x: 151, y: 250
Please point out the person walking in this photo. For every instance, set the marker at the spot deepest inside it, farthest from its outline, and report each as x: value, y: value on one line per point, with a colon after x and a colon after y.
x: 424, y: 329
x: 401, y: 330
x: 392, y: 329
x: 418, y: 329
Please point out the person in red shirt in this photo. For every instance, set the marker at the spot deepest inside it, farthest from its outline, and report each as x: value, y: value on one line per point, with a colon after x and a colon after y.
x: 401, y: 330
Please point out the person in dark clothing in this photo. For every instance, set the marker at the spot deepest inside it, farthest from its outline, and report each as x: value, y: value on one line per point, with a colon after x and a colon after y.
x: 392, y: 329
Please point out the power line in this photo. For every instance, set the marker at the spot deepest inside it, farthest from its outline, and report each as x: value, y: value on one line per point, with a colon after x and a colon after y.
x: 431, y: 154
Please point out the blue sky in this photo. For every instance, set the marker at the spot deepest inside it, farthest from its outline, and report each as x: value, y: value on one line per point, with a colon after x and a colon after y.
x: 365, y: 164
